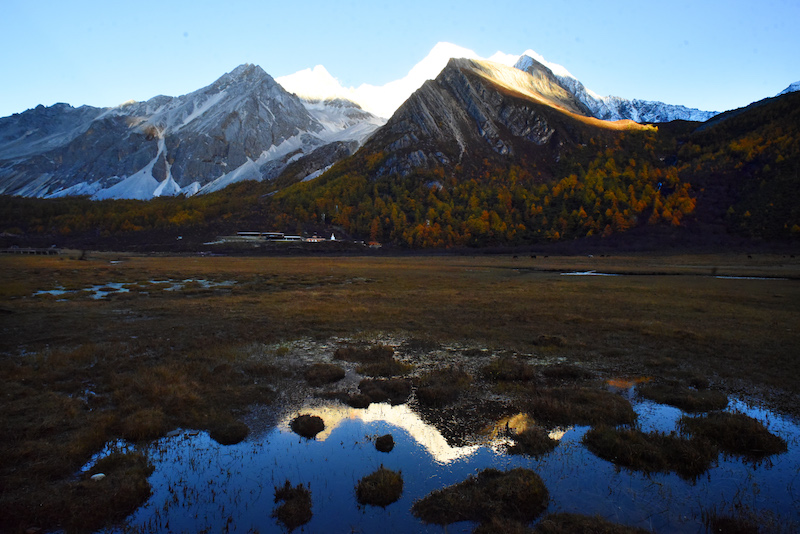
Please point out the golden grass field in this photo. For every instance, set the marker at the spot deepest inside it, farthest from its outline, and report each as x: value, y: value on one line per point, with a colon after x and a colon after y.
x: 77, y: 372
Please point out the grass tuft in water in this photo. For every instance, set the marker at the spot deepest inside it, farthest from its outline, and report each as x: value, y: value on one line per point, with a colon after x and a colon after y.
x: 731, y: 525
x: 516, y: 495
x: 688, y: 400
x: 384, y: 368
x: 565, y: 372
x: 565, y: 523
x: 442, y: 386
x: 384, y: 443
x: 394, y: 390
x: 228, y: 431
x: 507, y: 368
x: 295, y: 510
x: 739, y: 518
x: 502, y: 526
x: 320, y: 374
x: 418, y: 344
x: 381, y: 488
x: 533, y: 441
x: 734, y: 433
x: 307, y: 426
x: 579, y: 406
x: 653, y: 452
x: 376, y: 353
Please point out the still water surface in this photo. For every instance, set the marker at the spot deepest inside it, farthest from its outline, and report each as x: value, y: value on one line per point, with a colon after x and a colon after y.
x: 199, y: 485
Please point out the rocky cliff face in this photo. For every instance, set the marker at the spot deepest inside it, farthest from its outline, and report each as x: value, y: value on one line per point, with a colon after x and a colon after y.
x: 243, y: 126
x: 476, y: 109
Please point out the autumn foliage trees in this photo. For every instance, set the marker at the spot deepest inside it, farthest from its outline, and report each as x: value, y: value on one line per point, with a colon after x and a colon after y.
x: 618, y: 187
x: 748, y: 167
x: 740, y: 170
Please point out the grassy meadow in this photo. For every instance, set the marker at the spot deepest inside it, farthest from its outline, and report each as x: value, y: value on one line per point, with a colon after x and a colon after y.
x: 77, y: 372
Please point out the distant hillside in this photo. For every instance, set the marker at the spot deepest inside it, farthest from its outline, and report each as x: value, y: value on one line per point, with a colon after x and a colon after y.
x: 744, y: 166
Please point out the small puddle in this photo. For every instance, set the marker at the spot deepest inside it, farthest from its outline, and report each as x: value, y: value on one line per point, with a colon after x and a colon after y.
x: 588, y: 273
x: 748, y: 278
x: 101, y: 291
x: 199, y: 485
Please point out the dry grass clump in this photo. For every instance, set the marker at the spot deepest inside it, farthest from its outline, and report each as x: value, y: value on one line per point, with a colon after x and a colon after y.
x: 549, y: 341
x: 393, y: 390
x: 358, y: 400
x: 653, y: 452
x: 384, y: 443
x: 307, y: 426
x: 565, y: 523
x: 145, y: 424
x: 533, y: 441
x: 734, y: 433
x: 566, y: 372
x: 442, y: 386
x: 320, y: 374
x: 579, y: 406
x: 89, y: 505
x: 124, y: 488
x: 515, y: 495
x: 507, y: 368
x: 376, y: 353
x: 65, y: 404
x: 385, y: 368
x: 295, y: 510
x: 418, y: 344
x: 381, y: 488
x: 689, y: 400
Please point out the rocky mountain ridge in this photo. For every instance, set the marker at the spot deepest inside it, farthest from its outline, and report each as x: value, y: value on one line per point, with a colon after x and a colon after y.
x: 245, y: 126
x: 242, y: 126
x: 480, y: 109
x: 617, y: 108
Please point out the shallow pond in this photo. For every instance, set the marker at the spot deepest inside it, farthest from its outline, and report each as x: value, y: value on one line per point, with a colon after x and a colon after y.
x: 199, y: 485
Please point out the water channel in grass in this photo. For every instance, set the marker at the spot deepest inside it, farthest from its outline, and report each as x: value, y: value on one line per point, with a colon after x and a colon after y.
x: 201, y: 486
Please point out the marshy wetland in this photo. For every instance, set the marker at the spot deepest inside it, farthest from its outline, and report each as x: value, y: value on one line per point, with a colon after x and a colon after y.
x: 188, y: 394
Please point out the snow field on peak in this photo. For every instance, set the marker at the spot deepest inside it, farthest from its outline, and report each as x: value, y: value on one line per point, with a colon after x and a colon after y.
x: 555, y: 68
x: 791, y: 89
x: 202, y: 108
x: 316, y: 83
x: 383, y: 100
x: 249, y: 170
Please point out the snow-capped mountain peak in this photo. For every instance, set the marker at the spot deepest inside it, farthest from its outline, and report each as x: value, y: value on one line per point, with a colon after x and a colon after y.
x: 247, y: 125
x: 380, y: 100
x: 791, y: 89
x: 243, y: 126
x: 526, y: 57
x: 383, y: 101
x: 611, y: 107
